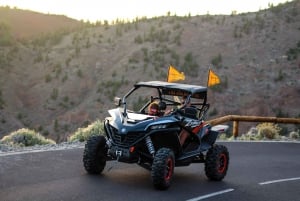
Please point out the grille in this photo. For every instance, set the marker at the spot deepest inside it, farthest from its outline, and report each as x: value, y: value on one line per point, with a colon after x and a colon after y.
x: 125, y: 139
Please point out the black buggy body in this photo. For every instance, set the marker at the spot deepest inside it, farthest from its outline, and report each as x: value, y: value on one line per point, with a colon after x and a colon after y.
x: 133, y: 136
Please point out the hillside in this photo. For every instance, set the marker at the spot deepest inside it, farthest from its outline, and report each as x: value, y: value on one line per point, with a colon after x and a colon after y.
x: 56, y: 86
x: 26, y: 24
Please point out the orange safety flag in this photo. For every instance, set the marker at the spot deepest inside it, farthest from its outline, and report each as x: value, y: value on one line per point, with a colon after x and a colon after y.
x: 174, y: 75
x: 213, y: 79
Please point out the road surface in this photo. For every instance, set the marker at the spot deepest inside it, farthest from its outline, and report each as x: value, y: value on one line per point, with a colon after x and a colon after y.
x: 257, y: 171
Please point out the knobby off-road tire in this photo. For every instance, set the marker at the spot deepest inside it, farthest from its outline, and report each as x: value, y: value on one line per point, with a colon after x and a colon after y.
x: 94, y: 155
x: 216, y: 163
x: 163, y: 168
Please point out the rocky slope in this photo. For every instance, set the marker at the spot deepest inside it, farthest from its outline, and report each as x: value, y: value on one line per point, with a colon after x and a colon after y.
x: 57, y: 83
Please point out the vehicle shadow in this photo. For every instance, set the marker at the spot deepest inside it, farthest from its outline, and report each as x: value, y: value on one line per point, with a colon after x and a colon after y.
x: 187, y: 182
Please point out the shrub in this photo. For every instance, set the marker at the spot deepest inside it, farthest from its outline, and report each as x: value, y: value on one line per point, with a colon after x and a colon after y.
x: 138, y: 39
x: 190, y: 65
x: 217, y: 61
x: 54, y: 94
x: 223, y: 136
x: 213, y: 112
x: 25, y: 137
x: 248, y: 137
x: 79, y: 73
x: 48, y: 78
x: 252, y: 134
x: 82, y: 134
x: 268, y: 130
x: 2, y: 103
x: 6, y: 38
x: 292, y: 53
x: 294, y: 135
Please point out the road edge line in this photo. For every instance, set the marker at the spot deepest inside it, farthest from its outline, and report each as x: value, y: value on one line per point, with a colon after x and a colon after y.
x: 202, y: 197
x: 279, y: 180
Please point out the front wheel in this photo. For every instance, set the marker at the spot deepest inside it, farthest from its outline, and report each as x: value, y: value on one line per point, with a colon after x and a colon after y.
x: 163, y: 168
x: 216, y: 163
x: 94, y: 155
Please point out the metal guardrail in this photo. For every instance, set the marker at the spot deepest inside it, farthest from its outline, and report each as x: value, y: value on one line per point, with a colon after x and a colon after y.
x: 237, y: 118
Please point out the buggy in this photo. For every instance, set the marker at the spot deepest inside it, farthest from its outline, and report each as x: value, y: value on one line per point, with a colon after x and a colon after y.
x: 131, y: 135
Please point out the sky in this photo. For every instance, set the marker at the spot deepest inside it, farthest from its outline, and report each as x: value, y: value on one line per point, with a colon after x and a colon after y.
x: 99, y: 10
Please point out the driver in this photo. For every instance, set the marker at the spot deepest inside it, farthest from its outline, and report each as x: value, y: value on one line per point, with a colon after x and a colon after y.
x: 191, y: 112
x: 183, y: 133
x: 186, y: 103
x: 153, y: 109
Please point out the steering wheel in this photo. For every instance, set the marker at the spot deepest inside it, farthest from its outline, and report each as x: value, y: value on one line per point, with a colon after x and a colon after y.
x: 177, y: 111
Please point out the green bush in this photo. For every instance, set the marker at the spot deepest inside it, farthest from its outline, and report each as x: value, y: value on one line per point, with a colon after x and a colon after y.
x: 217, y: 61
x: 138, y: 39
x: 247, y: 137
x: 25, y: 137
x: 82, y: 134
x: 292, y: 53
x: 223, y: 136
x: 268, y: 131
x: 6, y: 38
x: 190, y: 65
x: 2, y: 103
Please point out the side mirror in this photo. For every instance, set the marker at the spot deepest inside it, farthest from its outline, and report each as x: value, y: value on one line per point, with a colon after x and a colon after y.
x: 117, y: 101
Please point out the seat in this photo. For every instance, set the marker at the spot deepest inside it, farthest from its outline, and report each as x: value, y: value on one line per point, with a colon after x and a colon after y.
x: 191, y: 112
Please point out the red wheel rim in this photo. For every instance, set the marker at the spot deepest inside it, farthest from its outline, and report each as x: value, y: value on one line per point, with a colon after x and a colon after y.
x: 222, y: 163
x: 169, y: 169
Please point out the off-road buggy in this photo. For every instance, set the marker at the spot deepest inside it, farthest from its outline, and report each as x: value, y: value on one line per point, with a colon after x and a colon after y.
x: 133, y: 136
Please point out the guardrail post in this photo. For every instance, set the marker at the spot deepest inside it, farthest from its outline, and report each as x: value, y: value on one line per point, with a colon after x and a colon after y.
x: 235, y: 129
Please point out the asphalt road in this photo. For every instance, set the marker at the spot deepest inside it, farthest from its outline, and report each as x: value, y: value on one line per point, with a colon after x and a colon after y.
x: 257, y: 171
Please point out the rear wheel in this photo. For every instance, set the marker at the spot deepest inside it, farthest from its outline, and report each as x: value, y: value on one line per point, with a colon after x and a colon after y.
x: 94, y: 155
x: 163, y: 168
x: 216, y: 163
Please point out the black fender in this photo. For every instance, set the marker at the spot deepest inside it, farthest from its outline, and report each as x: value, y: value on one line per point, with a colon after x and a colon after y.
x: 208, y: 140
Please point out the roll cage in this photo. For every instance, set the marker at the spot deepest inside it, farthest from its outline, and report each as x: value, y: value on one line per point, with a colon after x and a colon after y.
x: 167, y: 96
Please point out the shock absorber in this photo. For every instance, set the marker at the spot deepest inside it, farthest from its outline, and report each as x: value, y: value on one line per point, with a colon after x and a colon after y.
x: 150, y: 145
